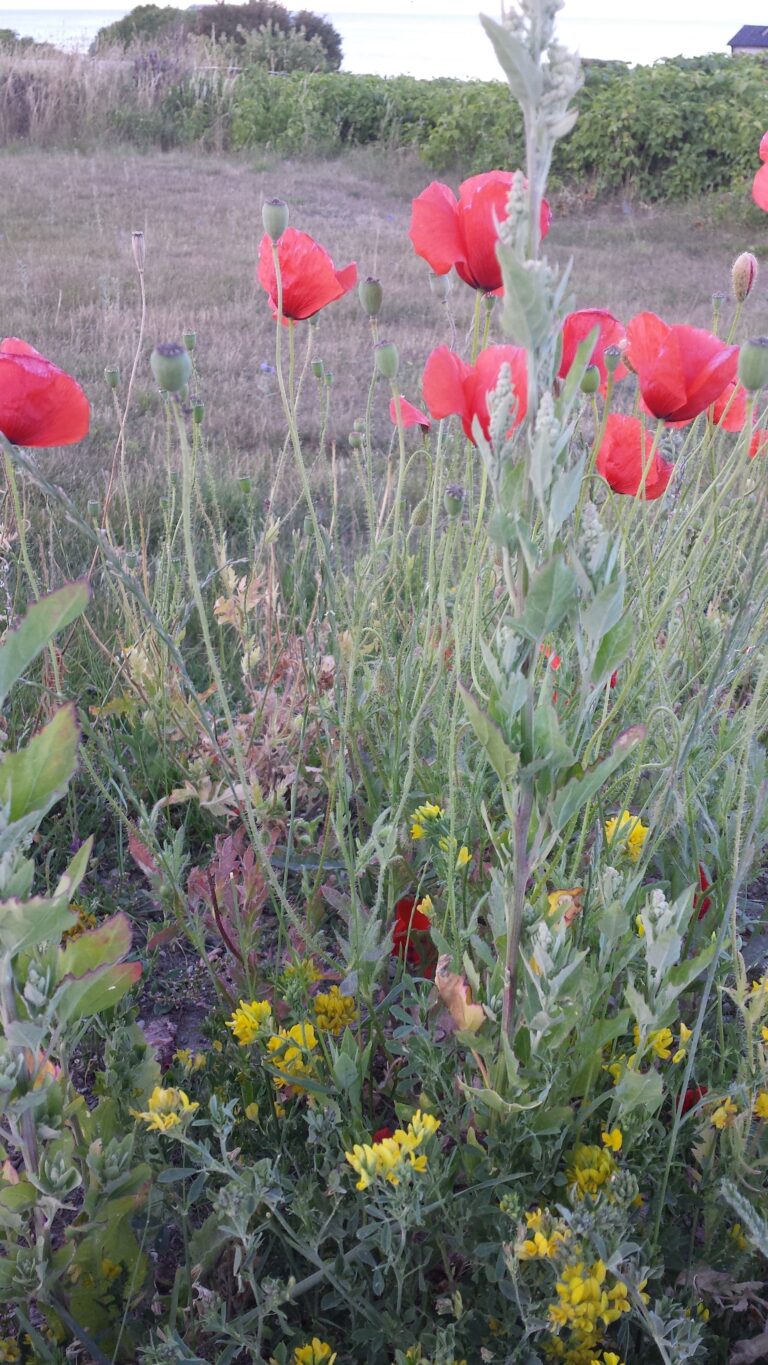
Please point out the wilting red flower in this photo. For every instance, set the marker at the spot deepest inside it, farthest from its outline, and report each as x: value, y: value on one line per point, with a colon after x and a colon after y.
x: 730, y: 409
x: 681, y: 370
x: 450, y: 385
x: 410, y: 936
x: 760, y: 182
x: 625, y: 454
x: 554, y: 659
x: 410, y: 416
x: 381, y: 1134
x: 692, y: 1097
x: 577, y: 327
x: 700, y: 901
x: 464, y: 234
x: 310, y: 279
x: 759, y: 443
x: 40, y: 405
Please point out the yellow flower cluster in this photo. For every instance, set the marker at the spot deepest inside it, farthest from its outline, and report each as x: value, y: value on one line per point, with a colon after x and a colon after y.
x: 9, y: 1349
x: 549, y: 1236
x: 316, y: 1352
x: 584, y: 1305
x: 305, y: 973
x: 393, y: 1157
x: 590, y: 1169
x: 190, y: 1061
x: 333, y: 1011
x: 167, y: 1109
x: 761, y: 1104
x: 288, y: 1049
x: 423, y: 816
x: 248, y: 1021
x: 613, y: 1139
x: 627, y: 834
x: 724, y: 1114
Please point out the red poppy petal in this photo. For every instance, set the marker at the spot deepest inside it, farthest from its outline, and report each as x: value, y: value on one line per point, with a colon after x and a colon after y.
x: 485, y: 377
x: 577, y: 327
x: 309, y: 278
x: 13, y: 346
x: 623, y: 457
x: 760, y: 188
x: 759, y: 443
x: 40, y: 405
x: 434, y: 228
x: 482, y: 208
x: 442, y: 383
x: 410, y: 416
x: 729, y: 411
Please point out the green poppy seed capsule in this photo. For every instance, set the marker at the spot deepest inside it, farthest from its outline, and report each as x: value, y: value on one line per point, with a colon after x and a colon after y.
x: 385, y: 354
x: 355, y: 440
x: 453, y: 499
x: 198, y: 411
x: 420, y: 513
x: 328, y: 377
x: 611, y: 358
x: 318, y: 369
x: 358, y: 424
x: 274, y: 216
x: 171, y: 366
x: 173, y: 478
x: 164, y: 504
x: 131, y: 560
x: 371, y: 296
x: 112, y: 376
x: 190, y: 341
x: 244, y: 484
x: 440, y: 285
x: 591, y: 381
x: 743, y: 275
x: 94, y: 508
x: 753, y: 364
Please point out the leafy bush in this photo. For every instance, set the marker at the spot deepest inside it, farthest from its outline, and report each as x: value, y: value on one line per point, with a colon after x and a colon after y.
x: 145, y: 24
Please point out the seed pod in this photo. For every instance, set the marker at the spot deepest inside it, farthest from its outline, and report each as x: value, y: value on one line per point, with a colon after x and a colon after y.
x: 190, y: 340
x: 318, y: 369
x: 420, y: 513
x: 274, y: 216
x: 440, y: 285
x: 591, y: 381
x: 386, y: 357
x: 453, y: 499
x: 753, y: 364
x: 112, y: 376
x: 371, y: 296
x: 171, y: 366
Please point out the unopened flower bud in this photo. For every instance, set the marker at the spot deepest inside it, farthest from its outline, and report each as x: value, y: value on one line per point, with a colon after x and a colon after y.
x: 358, y: 424
x: 371, y: 295
x: 139, y: 250
x: 198, y: 411
x: 171, y: 366
x: 355, y: 440
x: 274, y: 216
x: 173, y: 478
x: 753, y: 364
x: 386, y: 358
x: 612, y: 358
x: 318, y: 369
x: 244, y: 484
x: 440, y: 285
x: 743, y: 276
x: 591, y: 381
x: 453, y: 499
x: 94, y: 508
x: 420, y: 513
x: 328, y: 377
x: 131, y: 560
x: 112, y: 376
x: 190, y: 340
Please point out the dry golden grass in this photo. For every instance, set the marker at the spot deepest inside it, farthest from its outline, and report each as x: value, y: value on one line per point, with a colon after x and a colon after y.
x: 71, y: 288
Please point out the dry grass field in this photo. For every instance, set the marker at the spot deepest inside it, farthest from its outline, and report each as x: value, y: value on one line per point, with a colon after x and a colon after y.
x: 71, y: 289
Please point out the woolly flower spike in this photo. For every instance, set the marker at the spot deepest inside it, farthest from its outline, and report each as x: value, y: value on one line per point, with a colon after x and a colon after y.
x: 40, y: 405
x: 316, y: 1352
x: 309, y: 278
x: 333, y: 1011
x: 167, y: 1109
x: 760, y: 182
x: 393, y: 1157
x: 627, y: 833
x: 248, y: 1021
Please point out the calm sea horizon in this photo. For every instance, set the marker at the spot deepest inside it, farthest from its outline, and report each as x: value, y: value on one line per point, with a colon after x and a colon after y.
x: 431, y: 45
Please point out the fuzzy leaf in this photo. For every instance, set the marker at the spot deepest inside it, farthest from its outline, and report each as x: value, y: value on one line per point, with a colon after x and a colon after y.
x: 41, y: 623
x: 95, y: 991
x: 614, y: 648
x: 579, y: 790
x: 96, y: 948
x: 551, y: 594
x: 515, y: 60
x: 500, y: 756
x: 35, y: 777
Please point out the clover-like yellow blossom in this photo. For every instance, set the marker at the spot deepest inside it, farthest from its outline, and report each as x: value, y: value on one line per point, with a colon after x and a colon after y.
x: 316, y: 1352
x: 248, y: 1021
x: 417, y: 831
x: 463, y: 856
x: 590, y: 1168
x: 9, y: 1349
x: 534, y: 1219
x: 252, y: 1111
x: 167, y: 1109
x: 425, y: 906
x: 761, y: 1104
x: 736, y: 1233
x: 612, y: 1139
x: 761, y: 985
x: 764, y: 1034
x: 393, y: 1157
x: 724, y: 1115
x: 333, y: 1011
x: 584, y: 1305
x: 289, y: 1048
x: 682, y: 1049
x: 627, y: 833
x: 660, y: 1041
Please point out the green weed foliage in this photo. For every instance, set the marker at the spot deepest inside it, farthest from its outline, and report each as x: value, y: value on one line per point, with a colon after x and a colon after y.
x: 442, y: 850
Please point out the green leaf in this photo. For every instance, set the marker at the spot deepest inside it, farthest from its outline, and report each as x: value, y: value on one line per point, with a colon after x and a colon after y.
x: 501, y: 757
x: 614, y: 648
x: 515, y: 60
x: 551, y: 594
x: 96, y: 948
x: 639, y: 1090
x: 30, y: 923
x: 526, y: 318
x: 41, y: 623
x: 604, y: 611
x: 564, y: 495
x: 33, y: 779
x: 581, y: 789
x: 95, y: 991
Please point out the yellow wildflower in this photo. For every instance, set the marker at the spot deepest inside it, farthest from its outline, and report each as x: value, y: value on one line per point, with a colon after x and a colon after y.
x: 316, y: 1352
x: 248, y: 1021
x: 463, y: 856
x: 761, y: 1105
x: 334, y: 1011
x: 538, y: 1245
x: 307, y: 973
x: 590, y: 1169
x: 391, y: 1158
x: 534, y: 1219
x: 628, y: 833
x: 9, y: 1349
x: 702, y: 1312
x: 685, y: 1034
x: 613, y: 1139
x: 417, y: 831
x: 764, y: 1034
x: 425, y: 906
x: 640, y: 927
x: 659, y: 1040
x: 183, y: 1055
x: 584, y: 1305
x: 429, y: 811
x: 252, y: 1111
x: 110, y: 1269
x: 568, y: 900
x: 737, y: 1235
x: 167, y: 1109
x: 724, y: 1115
x: 288, y: 1048
x: 760, y: 985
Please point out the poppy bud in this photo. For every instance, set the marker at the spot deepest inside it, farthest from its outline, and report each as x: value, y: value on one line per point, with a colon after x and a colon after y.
x: 358, y: 424
x: 171, y: 366
x: 453, y: 499
x: 190, y: 340
x: 612, y: 358
x: 139, y: 251
x: 753, y: 364
x: 328, y: 377
x: 198, y: 411
x: 131, y: 560
x: 244, y: 484
x: 173, y: 478
x: 355, y: 440
x: 371, y: 295
x: 112, y: 376
x: 420, y: 513
x: 440, y: 285
x: 743, y: 275
x: 94, y: 508
x: 591, y: 381
x: 318, y: 369
x: 274, y: 216
x: 386, y: 359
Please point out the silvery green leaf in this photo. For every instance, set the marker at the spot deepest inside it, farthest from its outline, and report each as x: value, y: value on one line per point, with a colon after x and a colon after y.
x: 522, y: 73
x: 526, y: 317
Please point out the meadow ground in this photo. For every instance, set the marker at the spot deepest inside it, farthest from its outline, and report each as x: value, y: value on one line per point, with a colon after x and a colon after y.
x: 71, y: 287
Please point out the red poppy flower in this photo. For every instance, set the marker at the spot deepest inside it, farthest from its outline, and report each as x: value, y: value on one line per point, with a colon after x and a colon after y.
x: 700, y: 901
x: 381, y: 1134
x: 577, y: 327
x: 310, y: 279
x: 730, y: 409
x: 681, y: 370
x: 760, y: 182
x: 451, y: 386
x: 692, y: 1097
x: 40, y: 405
x: 464, y: 234
x: 410, y: 936
x: 554, y: 659
x: 410, y: 416
x: 759, y: 443
x: 625, y: 455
